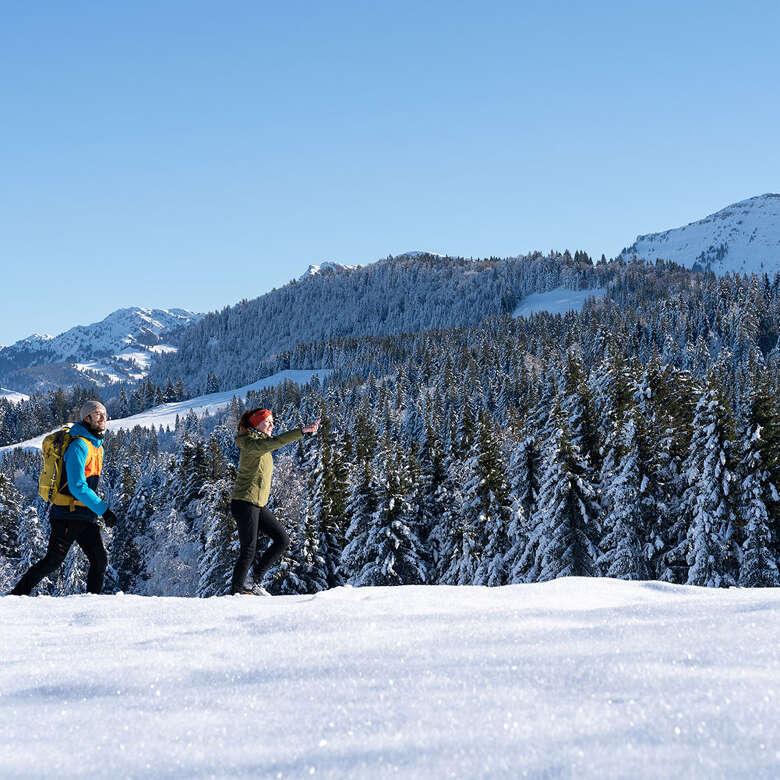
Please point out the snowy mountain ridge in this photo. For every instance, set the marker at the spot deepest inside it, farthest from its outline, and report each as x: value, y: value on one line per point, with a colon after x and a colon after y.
x: 12, y: 395
x: 741, y: 238
x: 133, y: 327
x: 118, y: 347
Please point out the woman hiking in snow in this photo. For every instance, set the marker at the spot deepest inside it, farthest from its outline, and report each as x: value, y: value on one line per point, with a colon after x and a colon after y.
x: 250, y: 496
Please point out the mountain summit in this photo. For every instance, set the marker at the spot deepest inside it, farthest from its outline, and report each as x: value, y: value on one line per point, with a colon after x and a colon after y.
x: 741, y: 238
x: 119, y: 347
x: 326, y: 268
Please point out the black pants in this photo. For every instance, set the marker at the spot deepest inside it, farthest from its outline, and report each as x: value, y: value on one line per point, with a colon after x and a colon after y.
x: 63, y: 533
x: 250, y: 519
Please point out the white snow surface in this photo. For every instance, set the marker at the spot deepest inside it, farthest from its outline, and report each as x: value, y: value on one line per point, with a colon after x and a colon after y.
x: 557, y: 301
x: 164, y: 416
x: 575, y: 678
x: 12, y: 395
x: 741, y: 238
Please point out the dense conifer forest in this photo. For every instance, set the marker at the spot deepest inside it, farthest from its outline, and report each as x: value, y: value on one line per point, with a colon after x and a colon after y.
x: 637, y: 439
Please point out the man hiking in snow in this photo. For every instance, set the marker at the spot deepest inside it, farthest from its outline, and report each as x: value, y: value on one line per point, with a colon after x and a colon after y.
x: 76, y: 507
x: 250, y: 496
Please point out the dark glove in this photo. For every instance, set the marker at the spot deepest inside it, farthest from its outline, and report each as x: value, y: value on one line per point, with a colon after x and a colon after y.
x: 109, y: 518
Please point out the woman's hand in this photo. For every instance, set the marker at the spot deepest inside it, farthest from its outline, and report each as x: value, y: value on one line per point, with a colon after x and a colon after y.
x: 313, y: 428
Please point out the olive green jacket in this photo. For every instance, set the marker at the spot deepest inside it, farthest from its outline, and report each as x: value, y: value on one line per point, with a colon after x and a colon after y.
x: 256, y: 466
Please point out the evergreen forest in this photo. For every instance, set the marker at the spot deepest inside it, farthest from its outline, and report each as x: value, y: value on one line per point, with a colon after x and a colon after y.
x: 638, y: 438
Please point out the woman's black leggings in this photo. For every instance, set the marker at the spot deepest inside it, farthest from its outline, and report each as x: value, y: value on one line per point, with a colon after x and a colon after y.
x: 250, y: 519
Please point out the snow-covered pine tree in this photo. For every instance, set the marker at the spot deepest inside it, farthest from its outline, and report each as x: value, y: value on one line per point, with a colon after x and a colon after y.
x: 220, y: 538
x: 524, y: 475
x: 578, y: 408
x: 362, y: 507
x: 566, y: 526
x: 127, y: 557
x: 172, y: 546
x: 758, y: 567
x: 10, y: 519
x: 392, y: 550
x: 332, y: 526
x: 432, y: 476
x: 305, y: 570
x: 629, y: 511
x: 31, y: 545
x: 760, y: 501
x: 10, y: 516
x: 489, y: 508
x: 709, y: 500
x: 290, y: 501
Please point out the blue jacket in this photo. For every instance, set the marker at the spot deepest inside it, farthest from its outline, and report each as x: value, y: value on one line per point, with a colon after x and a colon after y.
x: 75, y: 463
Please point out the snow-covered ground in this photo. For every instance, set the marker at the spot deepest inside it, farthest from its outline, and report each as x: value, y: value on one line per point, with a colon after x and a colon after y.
x: 12, y: 395
x: 164, y: 416
x: 572, y: 678
x: 557, y: 301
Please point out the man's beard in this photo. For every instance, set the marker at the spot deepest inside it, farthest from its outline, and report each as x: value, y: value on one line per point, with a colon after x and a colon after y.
x: 98, y: 433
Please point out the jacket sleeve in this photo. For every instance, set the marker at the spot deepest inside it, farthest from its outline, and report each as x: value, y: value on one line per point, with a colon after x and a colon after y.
x: 75, y: 461
x: 274, y: 442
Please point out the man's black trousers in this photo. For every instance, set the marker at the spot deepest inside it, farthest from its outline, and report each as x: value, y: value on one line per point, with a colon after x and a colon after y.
x: 251, y: 519
x: 65, y: 531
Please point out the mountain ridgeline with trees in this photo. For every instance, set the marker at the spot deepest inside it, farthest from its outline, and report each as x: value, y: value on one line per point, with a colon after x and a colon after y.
x: 405, y: 294
x: 638, y: 438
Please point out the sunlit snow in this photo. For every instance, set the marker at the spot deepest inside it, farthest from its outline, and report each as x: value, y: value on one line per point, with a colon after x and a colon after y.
x: 557, y: 301
x: 12, y: 395
x: 575, y: 678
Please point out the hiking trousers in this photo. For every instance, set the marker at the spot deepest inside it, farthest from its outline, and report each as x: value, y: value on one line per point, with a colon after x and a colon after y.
x: 65, y: 531
x: 251, y: 520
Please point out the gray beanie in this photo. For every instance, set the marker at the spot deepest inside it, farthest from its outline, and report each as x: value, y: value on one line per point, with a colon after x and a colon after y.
x: 91, y: 406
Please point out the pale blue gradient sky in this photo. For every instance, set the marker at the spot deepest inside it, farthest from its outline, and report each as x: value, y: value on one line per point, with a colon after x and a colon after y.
x: 192, y: 153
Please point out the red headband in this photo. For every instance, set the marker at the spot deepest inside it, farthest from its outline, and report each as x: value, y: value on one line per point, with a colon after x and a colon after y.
x: 259, y: 416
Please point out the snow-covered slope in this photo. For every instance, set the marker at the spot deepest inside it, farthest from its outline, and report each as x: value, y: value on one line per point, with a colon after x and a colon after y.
x: 742, y: 238
x: 575, y: 678
x: 557, y: 301
x: 12, y: 395
x: 97, y: 353
x: 164, y: 416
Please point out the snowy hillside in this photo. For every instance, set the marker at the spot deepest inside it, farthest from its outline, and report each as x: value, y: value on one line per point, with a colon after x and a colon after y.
x: 408, y: 293
x: 574, y: 678
x: 164, y: 416
x: 557, y: 301
x: 742, y: 238
x: 12, y: 395
x: 120, y: 347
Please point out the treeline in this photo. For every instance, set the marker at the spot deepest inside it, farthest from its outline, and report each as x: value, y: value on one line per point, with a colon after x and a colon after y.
x: 397, y: 295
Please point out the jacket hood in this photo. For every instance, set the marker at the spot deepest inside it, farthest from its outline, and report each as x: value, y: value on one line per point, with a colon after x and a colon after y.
x: 77, y: 429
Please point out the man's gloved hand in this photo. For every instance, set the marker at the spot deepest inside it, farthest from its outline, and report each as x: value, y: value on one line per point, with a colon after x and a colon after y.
x: 109, y: 518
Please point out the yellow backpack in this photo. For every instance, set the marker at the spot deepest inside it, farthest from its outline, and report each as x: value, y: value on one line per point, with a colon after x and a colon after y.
x: 54, y: 446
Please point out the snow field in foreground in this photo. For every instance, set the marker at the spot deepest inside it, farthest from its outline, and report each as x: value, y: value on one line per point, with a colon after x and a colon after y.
x: 567, y: 679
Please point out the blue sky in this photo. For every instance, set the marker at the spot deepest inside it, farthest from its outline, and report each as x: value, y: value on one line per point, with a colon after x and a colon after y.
x: 188, y: 154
